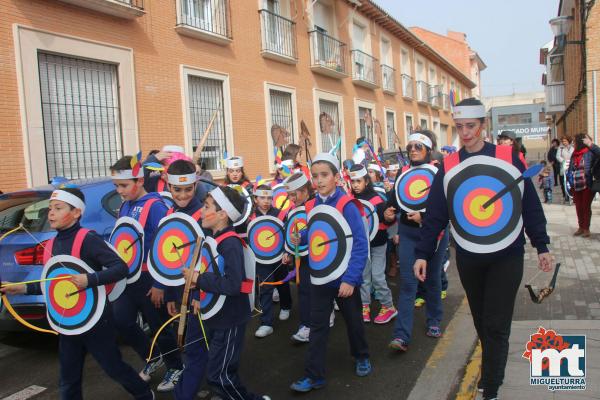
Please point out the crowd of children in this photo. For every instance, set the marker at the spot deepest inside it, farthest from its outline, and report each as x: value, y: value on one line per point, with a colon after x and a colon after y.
x: 352, y: 223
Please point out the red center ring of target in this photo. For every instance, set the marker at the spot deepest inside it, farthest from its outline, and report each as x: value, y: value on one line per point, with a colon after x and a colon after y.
x: 67, y: 312
x: 272, y: 234
x: 411, y: 180
x: 134, y: 248
x: 184, y: 252
x: 492, y: 219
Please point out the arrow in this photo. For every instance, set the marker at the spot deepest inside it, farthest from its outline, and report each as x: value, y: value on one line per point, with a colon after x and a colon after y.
x: 333, y: 240
x: 424, y: 190
x: 134, y: 242
x: 37, y: 280
x: 529, y: 173
x: 76, y: 292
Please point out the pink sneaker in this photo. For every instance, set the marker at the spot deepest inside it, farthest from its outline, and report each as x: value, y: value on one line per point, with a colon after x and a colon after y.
x: 366, y: 313
x: 386, y: 314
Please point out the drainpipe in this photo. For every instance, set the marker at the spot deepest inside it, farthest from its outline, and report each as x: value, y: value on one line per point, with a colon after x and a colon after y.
x: 595, y: 113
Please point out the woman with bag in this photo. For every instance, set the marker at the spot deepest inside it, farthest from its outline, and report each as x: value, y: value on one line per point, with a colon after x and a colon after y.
x: 580, y: 167
x: 563, y: 156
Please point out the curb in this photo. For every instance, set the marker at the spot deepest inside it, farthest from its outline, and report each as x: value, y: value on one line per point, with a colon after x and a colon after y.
x: 444, y: 368
x: 468, y: 386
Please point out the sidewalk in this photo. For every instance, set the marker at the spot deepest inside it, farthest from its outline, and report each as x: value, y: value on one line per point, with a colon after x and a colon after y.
x: 573, y: 309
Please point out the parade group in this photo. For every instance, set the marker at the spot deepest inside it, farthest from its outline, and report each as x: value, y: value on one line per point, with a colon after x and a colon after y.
x: 212, y: 256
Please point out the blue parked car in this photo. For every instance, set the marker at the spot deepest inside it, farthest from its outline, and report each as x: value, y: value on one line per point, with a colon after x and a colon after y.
x: 21, y: 256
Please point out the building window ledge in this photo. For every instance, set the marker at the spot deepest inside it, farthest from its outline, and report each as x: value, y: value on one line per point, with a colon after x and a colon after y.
x: 129, y: 9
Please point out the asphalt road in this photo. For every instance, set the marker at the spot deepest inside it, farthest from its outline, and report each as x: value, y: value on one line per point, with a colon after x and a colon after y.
x: 268, y: 365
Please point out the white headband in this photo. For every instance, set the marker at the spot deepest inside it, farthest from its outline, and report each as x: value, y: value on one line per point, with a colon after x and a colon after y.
x: 295, y: 184
x: 477, y: 111
x: 329, y: 158
x: 173, y: 149
x: 394, y: 167
x: 223, y: 202
x: 181, y: 180
x: 127, y: 174
x: 68, y: 198
x: 419, y: 137
x: 234, y: 162
x: 263, y: 193
x: 359, y: 173
x: 375, y: 167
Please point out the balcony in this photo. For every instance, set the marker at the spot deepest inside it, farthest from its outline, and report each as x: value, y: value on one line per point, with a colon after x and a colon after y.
x: 422, y: 92
x: 388, y: 80
x: 555, y: 97
x: 364, y: 70
x: 434, y: 96
x: 328, y: 55
x: 407, y: 87
x: 445, y: 101
x: 278, y: 37
x: 129, y: 9
x: 204, y: 19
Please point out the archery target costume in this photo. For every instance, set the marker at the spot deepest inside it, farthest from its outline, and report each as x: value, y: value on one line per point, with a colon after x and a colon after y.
x: 134, y: 299
x: 84, y: 319
x: 489, y: 251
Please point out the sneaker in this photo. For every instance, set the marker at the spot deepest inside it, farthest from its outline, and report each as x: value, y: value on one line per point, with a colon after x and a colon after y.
x: 275, y: 296
x: 398, y: 344
x: 265, y: 397
x: 479, y: 386
x: 151, y: 368
x: 284, y: 315
x: 302, y: 335
x: 332, y: 319
x: 444, y: 294
x: 363, y: 367
x: 578, y: 232
x: 419, y: 302
x: 434, y: 332
x: 386, y: 314
x: 586, y: 233
x: 170, y: 380
x: 306, y: 384
x: 366, y: 312
x: 263, y: 331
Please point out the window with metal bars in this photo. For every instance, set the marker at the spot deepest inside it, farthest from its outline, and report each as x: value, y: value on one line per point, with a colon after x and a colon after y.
x: 329, y: 139
x: 390, y: 128
x: 206, y: 98
x: 81, y: 116
x: 365, y: 131
x: 282, y: 113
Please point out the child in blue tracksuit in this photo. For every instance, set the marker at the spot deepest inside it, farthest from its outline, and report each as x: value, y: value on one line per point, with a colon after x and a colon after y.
x: 64, y: 212
x: 344, y: 290
x: 226, y: 328
x: 144, y: 295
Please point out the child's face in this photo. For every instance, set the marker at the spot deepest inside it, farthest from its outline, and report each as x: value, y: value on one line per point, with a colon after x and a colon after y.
x: 359, y: 185
x: 61, y: 215
x: 373, y: 175
x: 264, y: 202
x: 182, y: 195
x: 392, y: 174
x: 298, y: 196
x: 235, y: 174
x: 212, y: 218
x: 323, y: 178
x: 129, y: 189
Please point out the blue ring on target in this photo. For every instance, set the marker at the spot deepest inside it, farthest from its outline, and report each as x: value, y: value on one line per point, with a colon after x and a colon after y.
x: 78, y: 319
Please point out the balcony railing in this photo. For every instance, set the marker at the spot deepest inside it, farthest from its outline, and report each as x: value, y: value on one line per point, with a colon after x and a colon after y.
x: 407, y: 87
x: 328, y: 55
x: 445, y: 101
x: 434, y: 96
x: 205, y: 19
x: 555, y: 97
x: 388, y: 79
x: 364, y: 69
x: 422, y: 92
x: 129, y: 9
x: 278, y: 37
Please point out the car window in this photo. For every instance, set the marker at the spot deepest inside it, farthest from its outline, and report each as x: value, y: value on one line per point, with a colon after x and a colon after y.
x: 111, y: 202
x: 31, y: 211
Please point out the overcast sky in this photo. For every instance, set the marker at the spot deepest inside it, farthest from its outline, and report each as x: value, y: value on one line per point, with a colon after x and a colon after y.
x: 507, y: 35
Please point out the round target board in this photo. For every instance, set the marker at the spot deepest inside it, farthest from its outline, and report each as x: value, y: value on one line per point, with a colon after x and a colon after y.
x: 128, y: 238
x: 476, y: 226
x: 412, y: 187
x: 210, y: 260
x: 330, y: 242
x: 248, y: 206
x: 296, y: 219
x: 71, y: 311
x: 266, y: 239
x: 173, y: 248
x: 281, y: 200
x: 372, y: 218
x: 115, y: 290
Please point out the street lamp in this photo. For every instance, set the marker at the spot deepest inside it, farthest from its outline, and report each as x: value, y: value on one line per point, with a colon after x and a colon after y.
x: 560, y: 27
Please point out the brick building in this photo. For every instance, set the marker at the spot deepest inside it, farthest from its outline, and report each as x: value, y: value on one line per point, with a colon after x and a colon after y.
x: 85, y: 81
x: 572, y: 62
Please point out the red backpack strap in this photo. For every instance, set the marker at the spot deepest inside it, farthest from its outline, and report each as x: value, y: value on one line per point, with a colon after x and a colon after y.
x: 404, y: 168
x: 345, y: 199
x: 504, y: 152
x: 522, y: 158
x: 376, y: 200
x: 229, y: 234
x: 282, y: 214
x: 451, y: 161
x: 48, y: 250
x: 197, y: 215
x: 78, y: 242
x: 145, y: 211
x: 309, y: 205
x: 170, y: 211
x: 160, y: 185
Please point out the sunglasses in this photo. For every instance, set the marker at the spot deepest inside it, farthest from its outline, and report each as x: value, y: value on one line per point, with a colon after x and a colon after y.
x: 417, y: 147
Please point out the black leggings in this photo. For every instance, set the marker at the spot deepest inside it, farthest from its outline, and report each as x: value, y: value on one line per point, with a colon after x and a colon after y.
x: 491, y: 284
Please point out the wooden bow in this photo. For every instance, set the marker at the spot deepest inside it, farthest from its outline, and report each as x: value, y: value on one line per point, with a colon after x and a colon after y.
x: 544, y: 292
x: 186, y: 291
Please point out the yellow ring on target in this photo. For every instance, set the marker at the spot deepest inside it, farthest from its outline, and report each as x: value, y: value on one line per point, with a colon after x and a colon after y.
x: 477, y: 210
x: 124, y: 250
x: 417, y: 188
x: 169, y: 251
x: 61, y: 291
x: 316, y: 247
x: 265, y: 238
